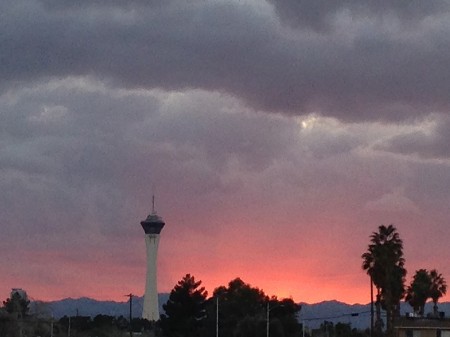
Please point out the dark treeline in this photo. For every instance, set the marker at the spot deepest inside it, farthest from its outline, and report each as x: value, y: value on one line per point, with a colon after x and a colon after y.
x: 234, y: 310
x: 238, y: 310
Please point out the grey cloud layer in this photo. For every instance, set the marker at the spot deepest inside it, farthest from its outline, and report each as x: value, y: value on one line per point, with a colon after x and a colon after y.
x: 80, y: 149
x: 101, y: 100
x: 362, y: 68
x: 321, y: 14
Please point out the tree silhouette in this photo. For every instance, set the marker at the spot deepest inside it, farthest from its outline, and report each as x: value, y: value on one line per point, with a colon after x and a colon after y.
x: 419, y: 291
x: 425, y: 285
x: 384, y: 263
x: 185, y: 310
x: 238, y: 301
x: 243, y: 312
x: 17, y: 304
x: 438, y: 289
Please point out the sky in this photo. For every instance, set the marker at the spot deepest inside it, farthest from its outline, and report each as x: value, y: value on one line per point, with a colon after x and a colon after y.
x: 275, y: 135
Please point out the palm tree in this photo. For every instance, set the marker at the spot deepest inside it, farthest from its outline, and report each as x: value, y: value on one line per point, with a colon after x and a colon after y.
x: 384, y: 263
x: 419, y: 291
x: 438, y: 289
x: 374, y: 271
x: 397, y: 280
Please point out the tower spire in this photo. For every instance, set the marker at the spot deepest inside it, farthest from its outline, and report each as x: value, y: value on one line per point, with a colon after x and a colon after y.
x: 153, y: 204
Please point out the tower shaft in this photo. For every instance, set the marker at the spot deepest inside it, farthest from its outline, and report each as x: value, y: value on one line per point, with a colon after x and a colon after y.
x: 151, y: 305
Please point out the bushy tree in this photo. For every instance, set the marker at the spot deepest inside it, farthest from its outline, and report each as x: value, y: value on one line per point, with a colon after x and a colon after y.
x: 285, y: 313
x: 243, y: 312
x: 185, y: 310
x: 237, y: 302
x: 249, y: 326
x: 17, y: 304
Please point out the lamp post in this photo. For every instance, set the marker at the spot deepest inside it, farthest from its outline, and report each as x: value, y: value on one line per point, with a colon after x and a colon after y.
x: 51, y: 327
x: 217, y: 316
x: 268, y: 316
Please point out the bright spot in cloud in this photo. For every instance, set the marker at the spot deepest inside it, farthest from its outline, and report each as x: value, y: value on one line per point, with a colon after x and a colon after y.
x: 308, y: 122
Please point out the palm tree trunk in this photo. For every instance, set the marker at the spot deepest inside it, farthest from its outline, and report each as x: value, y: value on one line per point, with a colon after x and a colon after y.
x: 435, y: 309
x: 378, y: 321
x: 389, y: 313
x: 389, y: 329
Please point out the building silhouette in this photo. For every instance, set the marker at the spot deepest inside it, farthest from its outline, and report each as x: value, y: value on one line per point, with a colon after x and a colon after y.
x: 152, y: 227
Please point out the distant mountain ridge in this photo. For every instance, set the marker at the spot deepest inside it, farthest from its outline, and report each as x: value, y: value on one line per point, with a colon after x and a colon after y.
x: 358, y: 315
x: 85, y: 306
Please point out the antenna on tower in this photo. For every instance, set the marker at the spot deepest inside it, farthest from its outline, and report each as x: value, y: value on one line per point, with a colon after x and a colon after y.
x: 153, y: 204
x: 153, y: 199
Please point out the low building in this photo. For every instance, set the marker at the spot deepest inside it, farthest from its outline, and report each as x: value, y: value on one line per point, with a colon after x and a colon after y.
x: 422, y: 327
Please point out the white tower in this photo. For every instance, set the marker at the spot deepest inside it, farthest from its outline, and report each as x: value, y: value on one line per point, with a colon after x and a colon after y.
x: 152, y: 227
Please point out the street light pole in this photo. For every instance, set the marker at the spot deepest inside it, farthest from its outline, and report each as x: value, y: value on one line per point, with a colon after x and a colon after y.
x: 268, y: 316
x: 217, y: 316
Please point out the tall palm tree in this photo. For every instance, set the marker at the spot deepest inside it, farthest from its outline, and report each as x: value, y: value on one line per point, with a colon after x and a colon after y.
x: 371, y: 265
x: 438, y: 288
x: 384, y: 263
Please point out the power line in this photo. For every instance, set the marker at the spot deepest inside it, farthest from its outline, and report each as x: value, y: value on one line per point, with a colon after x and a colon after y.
x: 353, y: 314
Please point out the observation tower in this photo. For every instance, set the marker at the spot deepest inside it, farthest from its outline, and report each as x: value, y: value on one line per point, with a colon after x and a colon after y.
x: 152, y: 227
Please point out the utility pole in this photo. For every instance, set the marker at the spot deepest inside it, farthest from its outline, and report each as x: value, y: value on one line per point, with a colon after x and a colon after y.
x: 268, y: 316
x: 68, y: 329
x: 130, y: 295
x: 217, y: 316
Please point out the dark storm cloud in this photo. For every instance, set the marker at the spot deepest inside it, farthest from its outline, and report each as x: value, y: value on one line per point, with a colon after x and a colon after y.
x: 360, y: 69
x: 63, y: 4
